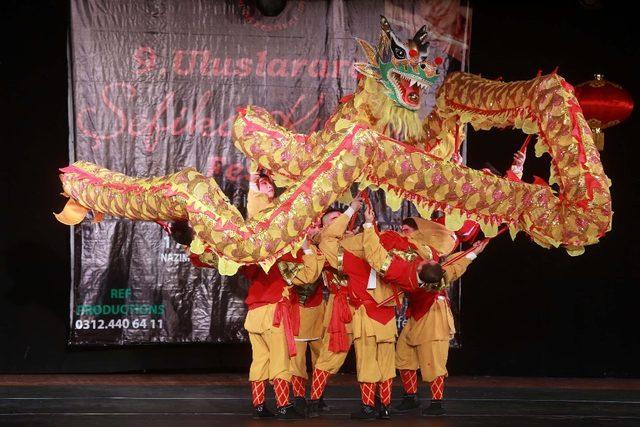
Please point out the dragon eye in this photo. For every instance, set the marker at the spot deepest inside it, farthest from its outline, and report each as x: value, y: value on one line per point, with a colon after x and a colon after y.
x: 423, y: 66
x: 398, y: 53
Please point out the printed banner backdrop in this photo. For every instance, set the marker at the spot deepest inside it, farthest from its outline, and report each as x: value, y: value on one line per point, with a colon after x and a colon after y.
x: 154, y: 88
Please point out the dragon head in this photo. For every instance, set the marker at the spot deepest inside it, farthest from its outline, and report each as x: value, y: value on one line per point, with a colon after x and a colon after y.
x: 402, y: 68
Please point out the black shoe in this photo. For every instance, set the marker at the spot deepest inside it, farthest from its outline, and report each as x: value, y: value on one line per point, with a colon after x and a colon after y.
x: 366, y: 412
x: 322, y: 405
x: 289, y: 413
x: 436, y: 408
x: 300, y: 405
x: 313, y: 408
x: 261, y: 411
x: 383, y: 413
x: 409, y: 402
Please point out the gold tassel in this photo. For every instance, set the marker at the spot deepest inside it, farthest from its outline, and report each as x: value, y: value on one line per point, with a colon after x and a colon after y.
x: 598, y: 138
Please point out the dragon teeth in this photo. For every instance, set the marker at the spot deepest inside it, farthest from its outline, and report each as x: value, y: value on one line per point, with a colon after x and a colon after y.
x: 399, y: 77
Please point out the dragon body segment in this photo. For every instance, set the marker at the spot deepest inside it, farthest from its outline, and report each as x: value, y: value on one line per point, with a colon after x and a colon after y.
x: 376, y: 139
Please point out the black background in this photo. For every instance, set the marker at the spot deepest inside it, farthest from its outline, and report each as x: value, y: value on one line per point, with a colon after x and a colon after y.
x: 526, y: 310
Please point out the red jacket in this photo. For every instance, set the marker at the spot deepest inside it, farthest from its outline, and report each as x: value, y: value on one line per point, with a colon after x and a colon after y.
x: 357, y: 271
x: 265, y: 288
x: 420, y: 302
x: 351, y: 292
x: 403, y: 273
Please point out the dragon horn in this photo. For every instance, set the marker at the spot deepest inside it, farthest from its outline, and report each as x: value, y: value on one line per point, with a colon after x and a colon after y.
x: 421, y: 37
x: 384, y: 24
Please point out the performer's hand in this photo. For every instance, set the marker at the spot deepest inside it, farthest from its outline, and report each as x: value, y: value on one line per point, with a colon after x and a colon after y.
x: 353, y: 232
x: 517, y: 167
x: 519, y: 158
x: 305, y: 245
x: 314, y: 230
x: 369, y: 216
x: 478, y: 247
x: 356, y: 204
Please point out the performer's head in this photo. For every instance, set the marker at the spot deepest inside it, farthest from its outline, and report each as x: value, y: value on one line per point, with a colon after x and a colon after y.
x: 330, y: 215
x: 409, y: 226
x: 181, y: 232
x: 430, y: 272
x: 266, y: 186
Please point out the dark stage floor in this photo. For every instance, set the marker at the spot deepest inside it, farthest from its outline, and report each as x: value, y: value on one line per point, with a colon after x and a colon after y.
x: 204, y: 400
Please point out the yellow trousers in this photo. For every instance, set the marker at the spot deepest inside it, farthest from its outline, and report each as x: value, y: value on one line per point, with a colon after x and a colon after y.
x: 424, y: 344
x: 268, y: 346
x: 374, y: 346
x: 375, y: 361
x: 328, y: 360
x: 298, y: 364
x: 309, y: 336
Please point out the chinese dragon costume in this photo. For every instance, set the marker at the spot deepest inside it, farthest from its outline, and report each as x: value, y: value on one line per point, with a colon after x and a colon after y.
x: 376, y: 139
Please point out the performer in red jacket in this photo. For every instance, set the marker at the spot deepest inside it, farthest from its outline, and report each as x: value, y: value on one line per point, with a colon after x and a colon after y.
x: 355, y: 316
x: 307, y: 304
x: 272, y: 320
x: 424, y: 341
x: 272, y: 327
